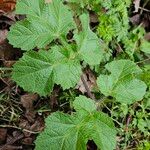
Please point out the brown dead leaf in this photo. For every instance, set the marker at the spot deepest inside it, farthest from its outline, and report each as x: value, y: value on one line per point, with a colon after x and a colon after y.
x: 93, y: 18
x: 3, y: 134
x: 9, y: 64
x: 7, y: 19
x: 147, y: 36
x: 27, y: 141
x: 7, y: 52
x: 90, y: 79
x: 53, y: 98
x: 3, y: 35
x: 27, y: 100
x: 12, y: 139
x: 80, y: 85
x: 135, y: 20
x: 24, y: 124
x: 146, y: 21
x: 36, y: 126
x: 7, y: 5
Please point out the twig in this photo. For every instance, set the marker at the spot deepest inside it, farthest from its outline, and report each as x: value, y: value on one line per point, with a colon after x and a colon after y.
x: 139, y: 62
x: 87, y: 88
x: 4, y: 68
x: 146, y: 2
x: 144, y: 9
x: 25, y: 130
x: 129, y: 119
x: 11, y: 147
x: 128, y: 122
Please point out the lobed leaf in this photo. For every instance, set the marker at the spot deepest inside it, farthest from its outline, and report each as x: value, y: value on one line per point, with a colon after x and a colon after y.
x: 38, y: 71
x: 65, y: 131
x: 88, y: 43
x: 45, y: 22
x: 121, y: 83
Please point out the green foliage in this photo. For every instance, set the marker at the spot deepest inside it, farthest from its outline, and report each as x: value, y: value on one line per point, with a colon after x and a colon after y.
x: 122, y: 83
x: 58, y: 47
x: 88, y: 43
x: 113, y: 18
x: 44, y: 23
x: 145, y: 76
x: 114, y: 26
x: 64, y: 131
x: 39, y: 71
x: 145, y: 46
x: 133, y: 124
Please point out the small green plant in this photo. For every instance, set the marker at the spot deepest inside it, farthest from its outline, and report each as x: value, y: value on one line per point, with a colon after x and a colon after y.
x: 65, y: 131
x: 59, y: 61
x: 60, y: 64
x: 114, y: 26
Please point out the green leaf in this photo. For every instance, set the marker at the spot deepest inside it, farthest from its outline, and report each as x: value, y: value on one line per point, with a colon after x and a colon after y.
x: 121, y: 83
x: 83, y: 103
x: 88, y: 43
x: 145, y: 46
x: 34, y: 72
x: 38, y: 71
x: 65, y: 131
x: 45, y: 22
x: 68, y: 71
x: 34, y: 7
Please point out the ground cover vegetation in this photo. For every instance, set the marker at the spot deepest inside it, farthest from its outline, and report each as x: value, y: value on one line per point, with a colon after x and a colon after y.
x: 76, y: 75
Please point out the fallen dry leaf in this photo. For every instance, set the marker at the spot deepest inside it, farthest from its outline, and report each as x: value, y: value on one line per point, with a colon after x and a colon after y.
x: 135, y: 20
x: 53, y: 98
x: 7, y: 5
x: 9, y: 63
x: 11, y: 139
x: 90, y: 79
x: 27, y: 100
x: 146, y: 21
x: 3, y: 134
x: 93, y: 18
x: 36, y: 126
x: 27, y: 141
x: 147, y: 36
x: 8, y: 53
x: 3, y: 35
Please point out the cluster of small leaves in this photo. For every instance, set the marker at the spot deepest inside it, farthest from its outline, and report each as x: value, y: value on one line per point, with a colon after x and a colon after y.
x: 137, y: 129
x: 46, y: 22
x: 65, y: 131
x: 114, y: 25
x: 114, y: 22
x: 131, y: 42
